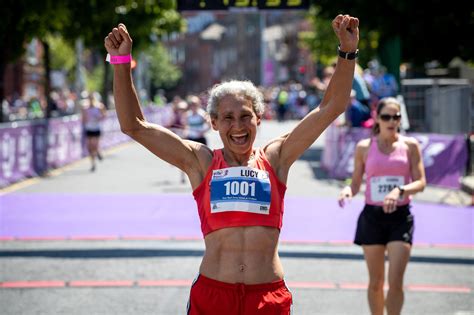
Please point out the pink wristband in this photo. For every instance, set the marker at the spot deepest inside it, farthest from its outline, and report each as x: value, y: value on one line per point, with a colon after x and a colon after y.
x: 118, y: 59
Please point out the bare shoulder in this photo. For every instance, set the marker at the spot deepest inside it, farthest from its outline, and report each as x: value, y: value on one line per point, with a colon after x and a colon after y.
x: 197, y: 163
x: 412, y: 143
x: 197, y: 167
x: 362, y: 149
x: 363, y: 144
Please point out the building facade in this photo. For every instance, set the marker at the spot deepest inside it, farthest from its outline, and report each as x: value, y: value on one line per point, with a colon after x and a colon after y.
x: 258, y: 46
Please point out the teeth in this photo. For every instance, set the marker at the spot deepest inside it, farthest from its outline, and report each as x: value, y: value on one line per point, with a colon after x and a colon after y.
x: 240, y: 139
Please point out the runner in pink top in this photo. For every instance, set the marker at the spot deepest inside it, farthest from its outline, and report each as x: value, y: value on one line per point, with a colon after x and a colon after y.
x: 384, y: 172
x: 394, y: 170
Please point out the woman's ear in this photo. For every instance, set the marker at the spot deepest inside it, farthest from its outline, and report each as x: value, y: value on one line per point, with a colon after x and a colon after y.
x: 214, y: 123
x: 259, y: 120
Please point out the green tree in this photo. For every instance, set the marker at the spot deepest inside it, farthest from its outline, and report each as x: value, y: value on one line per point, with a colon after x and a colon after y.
x: 145, y: 19
x: 62, y: 54
x: 322, y: 42
x: 162, y: 72
x: 93, y: 20
x: 22, y: 21
x: 94, y: 78
x: 90, y: 20
x: 412, y: 31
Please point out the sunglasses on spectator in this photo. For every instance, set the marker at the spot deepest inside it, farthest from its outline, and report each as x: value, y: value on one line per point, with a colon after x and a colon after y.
x: 387, y: 117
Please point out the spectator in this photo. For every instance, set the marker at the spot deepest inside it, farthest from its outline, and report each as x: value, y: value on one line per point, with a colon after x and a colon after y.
x: 357, y: 113
x: 384, y: 84
x: 360, y: 87
x: 195, y: 120
x: 282, y: 103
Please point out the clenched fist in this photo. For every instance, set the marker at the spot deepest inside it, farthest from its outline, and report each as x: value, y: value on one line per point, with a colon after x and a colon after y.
x: 346, y: 28
x: 118, y: 42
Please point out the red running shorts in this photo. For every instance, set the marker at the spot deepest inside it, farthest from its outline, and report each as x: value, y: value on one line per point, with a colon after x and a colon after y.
x: 212, y: 297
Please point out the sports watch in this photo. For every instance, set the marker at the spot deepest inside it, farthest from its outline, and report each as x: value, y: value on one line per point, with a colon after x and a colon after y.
x: 347, y: 55
x: 401, y: 189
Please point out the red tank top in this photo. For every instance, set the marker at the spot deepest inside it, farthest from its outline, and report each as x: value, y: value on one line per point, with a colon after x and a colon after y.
x: 239, y: 195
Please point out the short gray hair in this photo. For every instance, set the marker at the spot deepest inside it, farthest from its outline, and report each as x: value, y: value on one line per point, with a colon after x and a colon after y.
x: 238, y: 88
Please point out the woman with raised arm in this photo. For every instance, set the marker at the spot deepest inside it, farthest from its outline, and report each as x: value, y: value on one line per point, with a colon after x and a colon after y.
x: 394, y: 171
x: 239, y: 189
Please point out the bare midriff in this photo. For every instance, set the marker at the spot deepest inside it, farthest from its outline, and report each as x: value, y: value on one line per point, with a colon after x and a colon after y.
x: 242, y: 255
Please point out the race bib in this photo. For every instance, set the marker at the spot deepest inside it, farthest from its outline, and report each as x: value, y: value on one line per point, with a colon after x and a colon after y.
x: 380, y: 186
x: 241, y: 189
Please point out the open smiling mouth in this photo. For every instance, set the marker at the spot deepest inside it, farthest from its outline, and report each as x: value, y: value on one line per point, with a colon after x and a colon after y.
x: 239, y: 138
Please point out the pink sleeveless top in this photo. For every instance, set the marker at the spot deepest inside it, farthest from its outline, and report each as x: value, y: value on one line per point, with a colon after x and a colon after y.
x: 240, y: 196
x: 386, y: 171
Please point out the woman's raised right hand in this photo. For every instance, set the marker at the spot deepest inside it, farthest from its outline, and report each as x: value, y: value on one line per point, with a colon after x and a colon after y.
x: 118, y: 42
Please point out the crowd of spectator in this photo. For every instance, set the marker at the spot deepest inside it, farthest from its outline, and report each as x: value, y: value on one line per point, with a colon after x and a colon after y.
x: 59, y: 103
x: 291, y: 100
x: 294, y: 100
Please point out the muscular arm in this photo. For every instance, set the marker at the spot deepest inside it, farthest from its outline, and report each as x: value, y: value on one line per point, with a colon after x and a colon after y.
x: 334, y: 101
x: 333, y: 104
x: 159, y: 140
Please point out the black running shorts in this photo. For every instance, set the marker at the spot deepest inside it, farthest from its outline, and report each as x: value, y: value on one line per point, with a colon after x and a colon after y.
x: 376, y: 227
x: 92, y: 133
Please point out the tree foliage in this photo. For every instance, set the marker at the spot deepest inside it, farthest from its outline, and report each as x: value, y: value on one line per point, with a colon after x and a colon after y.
x: 94, y: 78
x: 25, y: 19
x: 428, y: 29
x: 93, y: 20
x: 322, y: 41
x: 62, y: 54
x: 145, y: 20
x: 163, y: 73
x: 90, y: 20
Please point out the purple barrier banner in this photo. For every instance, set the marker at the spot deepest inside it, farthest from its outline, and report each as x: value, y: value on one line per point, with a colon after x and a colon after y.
x: 16, y: 153
x: 29, y: 148
x: 444, y: 156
